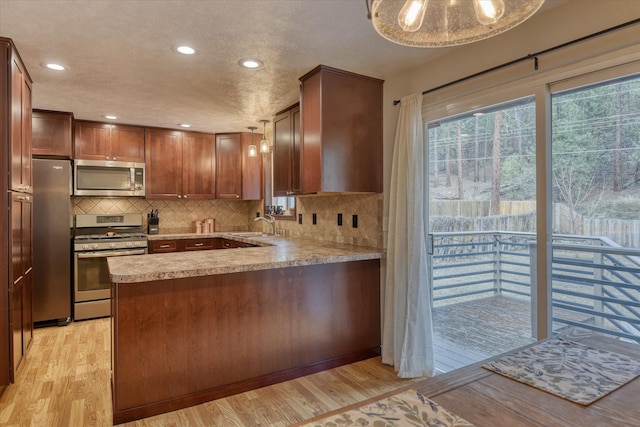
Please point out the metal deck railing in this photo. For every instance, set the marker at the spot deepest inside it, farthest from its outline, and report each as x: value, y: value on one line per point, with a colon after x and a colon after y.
x: 595, y: 282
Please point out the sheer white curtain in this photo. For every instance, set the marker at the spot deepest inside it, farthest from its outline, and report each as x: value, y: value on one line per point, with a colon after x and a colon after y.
x: 407, y: 333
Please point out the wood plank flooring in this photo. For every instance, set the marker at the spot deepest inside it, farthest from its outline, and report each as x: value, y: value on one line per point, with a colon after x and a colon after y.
x: 64, y: 381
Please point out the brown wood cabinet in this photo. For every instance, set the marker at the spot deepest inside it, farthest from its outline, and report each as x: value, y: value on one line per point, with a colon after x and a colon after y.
x: 20, y: 123
x: 179, y: 164
x: 286, y: 152
x: 341, y: 143
x: 52, y: 134
x: 16, y: 281
x: 194, y: 244
x: 238, y: 176
x: 207, y: 337
x: 105, y: 141
x: 21, y: 274
x: 229, y: 166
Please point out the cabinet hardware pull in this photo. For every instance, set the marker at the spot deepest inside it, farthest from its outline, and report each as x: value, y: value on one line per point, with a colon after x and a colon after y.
x: 179, y: 196
x: 23, y: 198
x: 199, y: 244
x: 165, y: 246
x: 185, y: 196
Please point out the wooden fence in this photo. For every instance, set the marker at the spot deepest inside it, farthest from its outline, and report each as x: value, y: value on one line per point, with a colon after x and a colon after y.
x: 471, y: 215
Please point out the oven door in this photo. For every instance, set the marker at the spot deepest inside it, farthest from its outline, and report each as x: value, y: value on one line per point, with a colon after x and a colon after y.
x: 91, y: 276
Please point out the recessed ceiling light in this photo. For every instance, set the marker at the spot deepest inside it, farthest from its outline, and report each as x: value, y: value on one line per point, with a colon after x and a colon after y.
x: 251, y: 63
x: 55, y: 67
x: 110, y: 117
x: 186, y: 50
x: 184, y: 125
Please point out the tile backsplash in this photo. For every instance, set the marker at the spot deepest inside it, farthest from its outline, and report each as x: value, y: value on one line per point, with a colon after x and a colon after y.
x: 367, y: 207
x: 177, y: 216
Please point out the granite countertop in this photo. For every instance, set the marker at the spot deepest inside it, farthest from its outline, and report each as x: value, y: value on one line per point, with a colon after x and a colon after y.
x: 272, y: 252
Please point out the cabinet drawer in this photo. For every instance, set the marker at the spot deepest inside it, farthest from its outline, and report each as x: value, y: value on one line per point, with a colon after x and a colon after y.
x: 158, y: 246
x: 198, y: 244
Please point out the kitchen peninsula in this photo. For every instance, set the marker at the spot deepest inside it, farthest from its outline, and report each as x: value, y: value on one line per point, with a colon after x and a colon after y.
x: 189, y: 327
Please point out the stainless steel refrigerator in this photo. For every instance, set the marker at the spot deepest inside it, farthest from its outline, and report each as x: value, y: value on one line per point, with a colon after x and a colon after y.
x: 52, y: 224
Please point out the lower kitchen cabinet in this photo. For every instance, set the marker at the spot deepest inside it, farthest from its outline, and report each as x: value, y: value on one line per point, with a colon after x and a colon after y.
x: 195, y: 244
x: 21, y: 276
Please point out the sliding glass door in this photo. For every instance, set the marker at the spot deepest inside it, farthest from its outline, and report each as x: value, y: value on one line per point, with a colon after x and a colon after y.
x: 596, y: 203
x: 482, y: 209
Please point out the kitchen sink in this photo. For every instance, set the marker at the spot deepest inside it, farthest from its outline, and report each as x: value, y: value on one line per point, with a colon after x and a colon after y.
x: 248, y: 234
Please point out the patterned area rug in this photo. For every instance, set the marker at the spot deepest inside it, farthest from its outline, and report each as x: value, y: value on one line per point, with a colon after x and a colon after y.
x: 409, y: 408
x: 567, y: 369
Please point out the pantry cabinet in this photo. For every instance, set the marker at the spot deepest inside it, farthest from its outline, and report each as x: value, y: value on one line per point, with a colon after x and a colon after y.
x: 286, y: 152
x: 16, y: 259
x: 20, y: 121
x: 104, y: 141
x: 179, y: 165
x: 21, y: 274
x: 52, y: 134
x: 341, y: 132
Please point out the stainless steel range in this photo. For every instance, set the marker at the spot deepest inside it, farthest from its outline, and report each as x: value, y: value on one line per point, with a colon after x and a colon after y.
x: 96, y: 238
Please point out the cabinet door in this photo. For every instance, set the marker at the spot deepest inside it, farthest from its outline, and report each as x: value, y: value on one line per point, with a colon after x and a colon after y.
x: 163, y: 158
x: 17, y: 344
x: 91, y: 140
x: 251, y: 168
x: 20, y: 148
x: 295, y: 147
x: 198, y: 165
x: 126, y: 144
x: 52, y: 134
x: 229, y: 166
x: 27, y: 310
x: 282, y: 154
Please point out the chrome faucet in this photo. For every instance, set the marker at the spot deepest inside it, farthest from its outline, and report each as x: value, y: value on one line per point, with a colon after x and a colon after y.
x: 269, y: 220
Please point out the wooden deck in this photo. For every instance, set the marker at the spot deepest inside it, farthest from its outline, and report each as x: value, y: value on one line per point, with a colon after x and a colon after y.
x: 471, y: 331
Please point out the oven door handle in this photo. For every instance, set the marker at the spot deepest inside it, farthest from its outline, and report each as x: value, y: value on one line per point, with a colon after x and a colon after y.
x: 104, y: 254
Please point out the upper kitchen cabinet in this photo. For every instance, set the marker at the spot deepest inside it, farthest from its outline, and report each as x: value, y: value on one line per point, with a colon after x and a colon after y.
x: 179, y: 165
x: 341, y: 143
x: 238, y: 176
x: 286, y: 152
x: 104, y: 141
x: 52, y: 134
x: 18, y: 84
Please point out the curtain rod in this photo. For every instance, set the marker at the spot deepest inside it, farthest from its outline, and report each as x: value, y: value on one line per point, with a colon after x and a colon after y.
x: 533, y: 56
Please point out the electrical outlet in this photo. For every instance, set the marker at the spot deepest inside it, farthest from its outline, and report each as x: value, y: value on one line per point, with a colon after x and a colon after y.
x: 257, y: 214
x: 314, y: 219
x: 354, y: 221
x: 340, y: 219
x: 299, y: 218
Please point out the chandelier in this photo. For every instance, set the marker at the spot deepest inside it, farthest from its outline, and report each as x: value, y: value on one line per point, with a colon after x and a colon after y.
x: 442, y: 23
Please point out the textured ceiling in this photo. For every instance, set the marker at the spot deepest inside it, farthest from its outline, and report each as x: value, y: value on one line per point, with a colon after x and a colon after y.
x: 121, y: 61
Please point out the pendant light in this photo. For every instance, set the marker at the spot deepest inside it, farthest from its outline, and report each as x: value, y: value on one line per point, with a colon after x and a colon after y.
x: 253, y: 150
x: 442, y: 23
x: 264, y: 143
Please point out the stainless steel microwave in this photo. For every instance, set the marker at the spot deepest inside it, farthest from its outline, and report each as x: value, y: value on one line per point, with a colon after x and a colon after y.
x: 108, y: 178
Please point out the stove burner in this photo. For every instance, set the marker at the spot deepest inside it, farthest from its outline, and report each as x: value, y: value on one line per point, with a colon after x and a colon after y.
x: 110, y: 236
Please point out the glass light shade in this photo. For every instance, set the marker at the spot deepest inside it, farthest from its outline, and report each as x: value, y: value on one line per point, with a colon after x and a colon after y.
x: 448, y: 22
x: 264, y: 146
x: 253, y: 151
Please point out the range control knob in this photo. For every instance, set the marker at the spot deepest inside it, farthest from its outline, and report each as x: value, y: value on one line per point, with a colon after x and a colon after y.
x: 86, y: 246
x: 95, y: 246
x: 112, y: 245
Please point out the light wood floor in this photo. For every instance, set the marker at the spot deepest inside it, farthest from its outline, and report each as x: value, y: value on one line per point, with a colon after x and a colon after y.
x: 65, y: 382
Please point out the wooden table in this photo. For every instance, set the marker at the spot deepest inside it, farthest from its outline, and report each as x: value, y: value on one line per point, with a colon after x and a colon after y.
x: 487, y: 399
